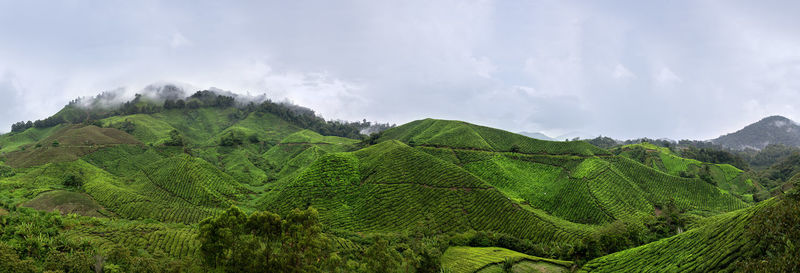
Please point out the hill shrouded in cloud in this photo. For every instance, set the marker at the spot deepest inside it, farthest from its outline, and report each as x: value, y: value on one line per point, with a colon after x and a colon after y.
x: 769, y: 130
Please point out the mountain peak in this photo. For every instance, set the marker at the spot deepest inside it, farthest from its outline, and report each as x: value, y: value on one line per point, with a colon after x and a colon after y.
x: 769, y: 130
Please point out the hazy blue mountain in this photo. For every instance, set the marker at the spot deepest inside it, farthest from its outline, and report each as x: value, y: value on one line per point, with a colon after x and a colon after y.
x: 770, y: 130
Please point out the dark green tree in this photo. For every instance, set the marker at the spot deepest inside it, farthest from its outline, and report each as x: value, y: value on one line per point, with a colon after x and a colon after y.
x: 175, y: 139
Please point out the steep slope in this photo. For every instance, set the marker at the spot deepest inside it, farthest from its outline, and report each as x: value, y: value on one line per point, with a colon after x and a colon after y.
x: 769, y: 130
x: 13, y: 141
x: 391, y: 187
x: 571, y: 180
x: 300, y: 149
x: 160, y: 185
x: 724, y: 176
x: 719, y: 245
x: 68, y: 143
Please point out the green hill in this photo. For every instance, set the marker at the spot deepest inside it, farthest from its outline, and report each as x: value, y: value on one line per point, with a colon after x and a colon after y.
x: 66, y: 144
x: 729, y: 242
x: 147, y: 184
x: 725, y: 176
x: 462, y: 135
x: 391, y: 187
x: 433, y: 190
x: 300, y: 149
x: 14, y: 141
x: 571, y: 180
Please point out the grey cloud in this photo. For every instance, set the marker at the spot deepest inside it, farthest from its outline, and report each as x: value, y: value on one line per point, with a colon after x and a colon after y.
x: 679, y: 69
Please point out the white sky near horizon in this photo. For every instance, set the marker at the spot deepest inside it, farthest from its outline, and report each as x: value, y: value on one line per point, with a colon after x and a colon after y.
x: 625, y: 69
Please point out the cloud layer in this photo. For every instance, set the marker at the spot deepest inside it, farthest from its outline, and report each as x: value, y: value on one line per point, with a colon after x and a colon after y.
x: 682, y: 69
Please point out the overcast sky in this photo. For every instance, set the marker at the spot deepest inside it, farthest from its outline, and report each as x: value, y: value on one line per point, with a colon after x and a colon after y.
x: 626, y: 69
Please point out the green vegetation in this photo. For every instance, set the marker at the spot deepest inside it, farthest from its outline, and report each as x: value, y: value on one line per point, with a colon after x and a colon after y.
x: 724, y: 176
x: 734, y: 241
x: 480, y: 259
x: 206, y: 183
x: 67, y: 144
x: 462, y: 135
x: 67, y: 202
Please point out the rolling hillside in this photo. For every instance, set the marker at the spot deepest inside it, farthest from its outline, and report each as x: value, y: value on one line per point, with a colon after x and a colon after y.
x: 67, y: 144
x: 390, y: 187
x: 154, y: 178
x: 749, y: 234
x: 462, y: 135
x: 724, y: 176
x: 571, y: 180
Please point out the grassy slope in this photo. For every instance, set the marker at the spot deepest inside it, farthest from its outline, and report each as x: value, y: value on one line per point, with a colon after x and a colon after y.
x: 459, y: 134
x: 725, y: 176
x: 202, y: 130
x: 14, y: 141
x: 66, y: 202
x: 566, y: 179
x: 712, y: 247
x: 204, y: 126
x: 176, y: 240
x: 460, y: 177
x: 300, y: 149
x: 147, y: 184
x: 391, y: 187
x: 68, y: 143
x: 463, y: 259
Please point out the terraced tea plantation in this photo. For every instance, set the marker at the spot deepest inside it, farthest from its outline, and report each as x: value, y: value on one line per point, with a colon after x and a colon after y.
x: 229, y: 188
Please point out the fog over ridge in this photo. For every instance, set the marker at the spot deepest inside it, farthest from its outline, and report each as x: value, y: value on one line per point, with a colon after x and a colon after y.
x: 624, y: 69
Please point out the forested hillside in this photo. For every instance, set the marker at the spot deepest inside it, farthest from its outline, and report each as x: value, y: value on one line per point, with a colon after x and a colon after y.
x: 214, y: 182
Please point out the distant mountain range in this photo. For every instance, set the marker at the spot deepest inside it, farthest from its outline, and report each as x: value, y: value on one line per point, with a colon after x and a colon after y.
x: 537, y: 135
x: 770, y: 130
x: 567, y: 136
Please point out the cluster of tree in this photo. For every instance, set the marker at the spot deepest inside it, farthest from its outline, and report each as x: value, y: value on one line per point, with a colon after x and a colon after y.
x: 780, y: 172
x: 125, y: 126
x: 263, y: 240
x: 200, y: 99
x: 72, y: 181
x: 716, y: 156
x: 232, y: 138
x: 669, y: 220
x: 174, y: 104
x: 6, y: 171
x: 40, y: 247
x: 43, y: 247
x: 210, y: 99
x: 771, y: 154
x: 658, y: 142
x: 298, y: 115
x: 39, y: 123
x: 603, y: 142
x: 21, y: 126
x: 266, y: 242
x: 307, y: 118
x: 175, y: 139
x: 776, y: 232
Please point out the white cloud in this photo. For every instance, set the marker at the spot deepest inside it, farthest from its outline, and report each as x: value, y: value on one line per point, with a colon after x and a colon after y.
x: 621, y: 72
x: 666, y: 76
x: 483, y: 67
x: 178, y: 40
